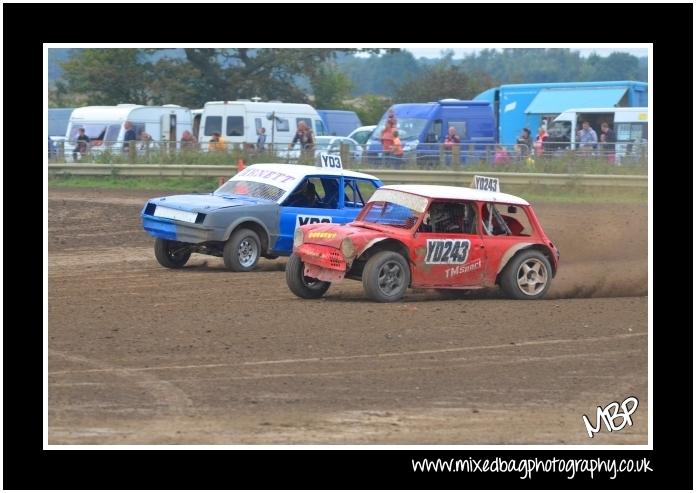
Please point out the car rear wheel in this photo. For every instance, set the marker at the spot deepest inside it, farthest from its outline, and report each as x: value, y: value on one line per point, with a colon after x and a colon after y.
x: 301, y: 285
x: 242, y: 251
x: 527, y: 276
x: 386, y: 277
x: 171, y: 254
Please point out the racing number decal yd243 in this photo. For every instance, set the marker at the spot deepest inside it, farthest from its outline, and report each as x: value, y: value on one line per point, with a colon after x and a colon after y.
x: 447, y: 251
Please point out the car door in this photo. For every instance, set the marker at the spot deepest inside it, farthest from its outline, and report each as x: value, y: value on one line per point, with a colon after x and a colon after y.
x: 448, y: 250
x: 327, y: 209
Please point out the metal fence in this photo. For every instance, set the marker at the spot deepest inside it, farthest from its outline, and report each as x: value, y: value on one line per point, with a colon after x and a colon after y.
x: 433, y: 177
x: 622, y: 157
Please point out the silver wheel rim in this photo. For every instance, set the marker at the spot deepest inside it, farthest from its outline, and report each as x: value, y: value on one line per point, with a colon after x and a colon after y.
x: 390, y: 278
x: 247, y: 252
x: 532, y: 277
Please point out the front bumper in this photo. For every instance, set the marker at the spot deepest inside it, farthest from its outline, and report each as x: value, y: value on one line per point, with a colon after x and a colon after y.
x: 171, y: 229
x: 322, y: 262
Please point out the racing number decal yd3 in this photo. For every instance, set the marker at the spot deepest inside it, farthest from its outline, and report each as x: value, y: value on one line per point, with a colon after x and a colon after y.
x: 447, y: 251
x: 303, y: 219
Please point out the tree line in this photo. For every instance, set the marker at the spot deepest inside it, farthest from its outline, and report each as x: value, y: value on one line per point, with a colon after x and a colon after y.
x: 366, y: 81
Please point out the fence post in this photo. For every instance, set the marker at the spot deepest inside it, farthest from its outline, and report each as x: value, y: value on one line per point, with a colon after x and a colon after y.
x: 456, y: 156
x: 345, y: 156
x: 61, y: 151
x: 442, y: 159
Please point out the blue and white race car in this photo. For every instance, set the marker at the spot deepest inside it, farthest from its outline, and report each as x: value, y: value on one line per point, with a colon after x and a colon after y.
x: 254, y: 214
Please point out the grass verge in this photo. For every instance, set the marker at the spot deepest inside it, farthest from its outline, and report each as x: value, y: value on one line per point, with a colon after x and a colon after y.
x: 532, y: 193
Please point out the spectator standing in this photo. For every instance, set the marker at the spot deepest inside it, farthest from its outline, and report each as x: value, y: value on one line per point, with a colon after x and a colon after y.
x: 387, y: 138
x: 587, y: 137
x: 305, y: 138
x: 451, y: 139
x: 540, y: 141
x: 501, y: 155
x: 146, y: 142
x: 261, y: 141
x: 129, y: 135
x: 188, y: 141
x: 523, y: 145
x: 81, y: 144
x: 217, y: 143
x: 397, y: 149
x: 608, y: 142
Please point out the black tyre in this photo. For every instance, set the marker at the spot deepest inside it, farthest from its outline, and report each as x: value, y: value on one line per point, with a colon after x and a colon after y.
x: 171, y: 254
x: 242, y: 251
x: 299, y: 284
x: 386, y: 277
x: 527, y: 276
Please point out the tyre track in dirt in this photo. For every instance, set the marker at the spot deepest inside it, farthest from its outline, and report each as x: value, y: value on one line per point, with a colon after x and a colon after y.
x: 244, y: 361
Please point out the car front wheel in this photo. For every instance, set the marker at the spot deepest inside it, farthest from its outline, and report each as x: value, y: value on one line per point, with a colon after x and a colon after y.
x: 242, y: 251
x: 527, y: 276
x: 386, y: 277
x: 171, y: 254
x: 301, y: 285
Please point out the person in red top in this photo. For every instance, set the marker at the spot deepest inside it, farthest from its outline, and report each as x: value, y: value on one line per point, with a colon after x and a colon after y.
x: 387, y: 137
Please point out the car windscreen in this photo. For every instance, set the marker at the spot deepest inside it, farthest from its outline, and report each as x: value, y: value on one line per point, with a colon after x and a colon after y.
x: 393, y: 208
x: 409, y: 128
x: 253, y: 189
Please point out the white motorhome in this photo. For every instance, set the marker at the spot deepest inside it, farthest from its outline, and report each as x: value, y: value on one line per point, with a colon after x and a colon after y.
x: 629, y: 124
x: 104, y: 124
x: 238, y: 122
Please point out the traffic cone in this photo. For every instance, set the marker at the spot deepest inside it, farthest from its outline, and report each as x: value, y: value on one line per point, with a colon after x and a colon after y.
x: 240, y: 165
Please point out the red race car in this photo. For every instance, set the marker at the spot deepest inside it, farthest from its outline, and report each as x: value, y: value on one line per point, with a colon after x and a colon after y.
x: 427, y: 236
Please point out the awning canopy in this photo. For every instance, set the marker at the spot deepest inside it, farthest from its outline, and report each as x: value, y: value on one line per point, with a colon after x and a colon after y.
x: 551, y: 101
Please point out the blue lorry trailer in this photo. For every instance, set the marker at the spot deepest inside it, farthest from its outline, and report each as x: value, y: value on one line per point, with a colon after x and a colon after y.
x: 519, y: 106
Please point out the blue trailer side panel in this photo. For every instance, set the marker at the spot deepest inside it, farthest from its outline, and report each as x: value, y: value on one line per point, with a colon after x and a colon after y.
x: 511, y: 101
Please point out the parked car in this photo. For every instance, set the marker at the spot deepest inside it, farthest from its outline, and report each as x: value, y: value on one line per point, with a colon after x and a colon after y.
x: 329, y: 144
x: 254, y: 214
x: 425, y: 236
x: 361, y: 134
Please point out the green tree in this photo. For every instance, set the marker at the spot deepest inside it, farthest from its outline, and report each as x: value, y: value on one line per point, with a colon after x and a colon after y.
x: 440, y: 82
x: 107, y: 76
x: 331, y: 88
x: 193, y: 76
x: 370, y: 107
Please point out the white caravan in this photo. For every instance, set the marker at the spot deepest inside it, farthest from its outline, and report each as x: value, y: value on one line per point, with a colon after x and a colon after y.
x: 238, y: 122
x: 104, y: 125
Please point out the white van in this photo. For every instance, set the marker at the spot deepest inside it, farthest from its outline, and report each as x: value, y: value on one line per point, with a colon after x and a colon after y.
x: 104, y: 124
x: 629, y: 124
x: 238, y: 122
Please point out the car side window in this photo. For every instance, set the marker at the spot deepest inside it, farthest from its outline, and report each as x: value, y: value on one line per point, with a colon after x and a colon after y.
x: 328, y: 189
x: 450, y: 217
x: 512, y: 222
x: 352, y: 197
x: 365, y: 189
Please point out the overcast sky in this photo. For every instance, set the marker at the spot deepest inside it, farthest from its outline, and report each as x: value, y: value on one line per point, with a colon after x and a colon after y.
x: 460, y: 52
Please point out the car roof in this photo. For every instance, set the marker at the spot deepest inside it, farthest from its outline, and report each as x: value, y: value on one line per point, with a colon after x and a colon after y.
x: 457, y: 193
x: 300, y: 170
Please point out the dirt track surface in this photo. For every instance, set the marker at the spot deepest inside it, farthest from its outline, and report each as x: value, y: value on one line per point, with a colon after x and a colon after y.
x: 140, y: 354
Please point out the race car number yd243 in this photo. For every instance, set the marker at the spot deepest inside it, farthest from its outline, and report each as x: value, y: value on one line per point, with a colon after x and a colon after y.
x: 447, y: 251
